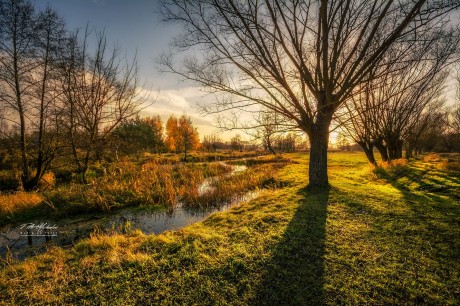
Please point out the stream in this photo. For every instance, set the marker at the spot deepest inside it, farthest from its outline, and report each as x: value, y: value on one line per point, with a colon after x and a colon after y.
x: 35, y: 236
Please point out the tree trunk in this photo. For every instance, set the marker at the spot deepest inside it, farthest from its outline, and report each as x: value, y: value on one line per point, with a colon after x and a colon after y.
x: 395, y: 148
x: 319, y: 140
x: 185, y: 152
x: 399, y: 149
x: 409, y: 150
x: 41, y: 125
x: 369, y: 151
x: 270, y: 148
x: 382, y: 150
x: 21, y: 111
x: 391, y: 151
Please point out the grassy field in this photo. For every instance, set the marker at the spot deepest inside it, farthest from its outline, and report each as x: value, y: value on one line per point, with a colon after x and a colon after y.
x: 383, y: 236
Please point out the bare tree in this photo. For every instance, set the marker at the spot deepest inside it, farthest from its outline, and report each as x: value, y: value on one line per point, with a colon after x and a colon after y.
x: 236, y: 143
x: 49, y: 34
x: 390, y: 110
x: 361, y: 119
x: 266, y: 130
x: 211, y: 142
x: 301, y: 59
x: 101, y: 90
x: 16, y: 66
x: 420, y: 130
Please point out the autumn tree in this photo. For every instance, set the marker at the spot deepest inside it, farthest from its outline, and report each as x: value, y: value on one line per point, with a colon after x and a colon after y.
x: 157, y: 130
x: 188, y: 135
x: 171, y: 139
x: 181, y: 135
x: 301, y: 59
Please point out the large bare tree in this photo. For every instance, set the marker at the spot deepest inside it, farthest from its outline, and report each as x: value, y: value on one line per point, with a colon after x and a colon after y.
x: 101, y: 89
x: 301, y: 59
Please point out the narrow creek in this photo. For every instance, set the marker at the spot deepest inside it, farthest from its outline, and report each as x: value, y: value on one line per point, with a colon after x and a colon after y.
x: 66, y: 232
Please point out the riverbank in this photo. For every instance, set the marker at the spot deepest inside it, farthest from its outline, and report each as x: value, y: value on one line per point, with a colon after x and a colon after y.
x: 371, y: 239
x: 151, y: 183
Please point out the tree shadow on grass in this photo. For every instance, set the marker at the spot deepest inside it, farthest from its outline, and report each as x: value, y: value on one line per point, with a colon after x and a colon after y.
x: 295, y: 274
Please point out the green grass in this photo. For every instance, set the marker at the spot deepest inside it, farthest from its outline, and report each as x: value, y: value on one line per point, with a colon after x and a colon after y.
x: 367, y: 240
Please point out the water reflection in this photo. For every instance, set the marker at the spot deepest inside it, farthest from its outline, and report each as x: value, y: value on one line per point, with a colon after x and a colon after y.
x: 24, y: 244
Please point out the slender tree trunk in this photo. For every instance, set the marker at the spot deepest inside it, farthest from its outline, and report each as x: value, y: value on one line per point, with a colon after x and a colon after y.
x: 41, y: 129
x: 319, y: 141
x: 25, y: 165
x: 269, y: 147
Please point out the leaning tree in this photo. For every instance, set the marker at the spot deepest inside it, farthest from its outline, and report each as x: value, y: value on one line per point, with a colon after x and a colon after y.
x: 301, y: 59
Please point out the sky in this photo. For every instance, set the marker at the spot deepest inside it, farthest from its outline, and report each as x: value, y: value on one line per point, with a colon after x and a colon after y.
x: 137, y: 27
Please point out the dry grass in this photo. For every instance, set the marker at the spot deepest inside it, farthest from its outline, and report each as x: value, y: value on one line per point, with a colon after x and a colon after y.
x: 262, y: 175
x: 432, y: 157
x: 391, y: 169
x: 451, y: 166
x: 129, y: 184
x: 450, y: 162
x: 19, y: 201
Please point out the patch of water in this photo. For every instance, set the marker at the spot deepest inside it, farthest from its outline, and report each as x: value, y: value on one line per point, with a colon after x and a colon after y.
x: 35, y: 236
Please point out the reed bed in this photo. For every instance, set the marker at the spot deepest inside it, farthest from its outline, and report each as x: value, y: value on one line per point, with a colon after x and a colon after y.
x: 128, y: 184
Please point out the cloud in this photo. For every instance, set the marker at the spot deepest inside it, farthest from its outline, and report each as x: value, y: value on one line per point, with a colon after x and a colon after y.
x: 183, y: 100
x: 174, y: 100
